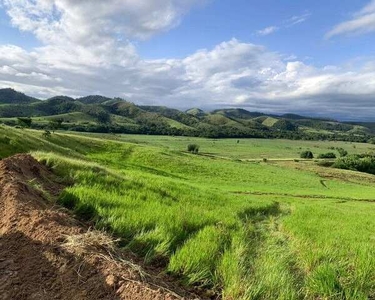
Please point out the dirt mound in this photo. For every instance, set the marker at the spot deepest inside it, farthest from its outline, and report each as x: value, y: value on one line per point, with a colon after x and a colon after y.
x: 46, y: 254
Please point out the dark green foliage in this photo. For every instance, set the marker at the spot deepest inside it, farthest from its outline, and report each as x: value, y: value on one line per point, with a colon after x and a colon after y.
x: 307, y: 155
x: 57, y: 105
x: 327, y: 155
x: 325, y: 125
x: 46, y: 134
x: 285, y: 125
x: 55, y: 124
x: 5, y: 140
x: 362, y: 163
x: 238, y: 113
x: 342, y: 152
x: 10, y: 96
x: 98, y: 112
x: 93, y: 99
x: 193, y: 148
x: 24, y: 122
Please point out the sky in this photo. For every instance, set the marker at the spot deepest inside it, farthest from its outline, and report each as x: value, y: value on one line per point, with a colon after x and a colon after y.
x: 315, y: 58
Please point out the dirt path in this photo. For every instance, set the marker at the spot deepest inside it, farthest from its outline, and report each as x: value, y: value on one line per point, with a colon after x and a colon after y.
x: 46, y: 254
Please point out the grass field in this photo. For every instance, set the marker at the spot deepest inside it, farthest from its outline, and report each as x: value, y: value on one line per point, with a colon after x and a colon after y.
x: 245, y: 229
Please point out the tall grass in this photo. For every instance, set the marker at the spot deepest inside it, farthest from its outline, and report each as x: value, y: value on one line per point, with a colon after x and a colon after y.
x: 245, y: 230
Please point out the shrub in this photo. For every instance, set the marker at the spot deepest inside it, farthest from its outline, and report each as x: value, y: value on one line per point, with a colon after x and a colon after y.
x: 362, y: 163
x: 55, y: 124
x: 307, y: 155
x: 327, y: 155
x: 46, y: 133
x: 342, y: 152
x: 24, y: 122
x: 193, y: 148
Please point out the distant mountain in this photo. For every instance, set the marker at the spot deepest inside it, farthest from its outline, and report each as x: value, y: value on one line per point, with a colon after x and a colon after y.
x: 102, y: 114
x: 196, y: 112
x: 93, y: 99
x: 299, y: 117
x: 10, y: 96
x: 238, y: 113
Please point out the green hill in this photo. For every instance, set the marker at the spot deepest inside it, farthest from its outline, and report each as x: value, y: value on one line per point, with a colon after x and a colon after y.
x: 102, y: 114
x: 10, y: 96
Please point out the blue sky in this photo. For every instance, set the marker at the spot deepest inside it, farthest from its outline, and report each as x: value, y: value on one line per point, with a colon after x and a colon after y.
x: 222, y: 20
x: 311, y: 57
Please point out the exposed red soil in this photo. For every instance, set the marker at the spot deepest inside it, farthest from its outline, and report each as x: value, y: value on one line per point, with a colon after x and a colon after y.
x: 35, y: 264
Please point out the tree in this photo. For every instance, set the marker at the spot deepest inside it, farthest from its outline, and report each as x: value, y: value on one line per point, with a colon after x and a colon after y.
x: 327, y: 155
x: 285, y: 125
x: 342, y: 152
x: 307, y: 155
x: 55, y: 124
x: 193, y: 148
x: 97, y: 112
x: 24, y: 122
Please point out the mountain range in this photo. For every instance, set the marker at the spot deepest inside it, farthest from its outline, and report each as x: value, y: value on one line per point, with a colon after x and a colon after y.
x: 102, y: 114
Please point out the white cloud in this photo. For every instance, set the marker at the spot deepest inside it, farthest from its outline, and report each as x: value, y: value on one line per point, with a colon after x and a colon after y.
x: 361, y: 23
x: 286, y: 24
x: 267, y: 30
x: 297, y: 19
x: 87, y: 20
x: 95, y: 61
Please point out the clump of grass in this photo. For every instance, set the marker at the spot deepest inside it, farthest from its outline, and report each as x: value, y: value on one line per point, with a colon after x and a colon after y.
x: 198, y: 257
x: 90, y: 241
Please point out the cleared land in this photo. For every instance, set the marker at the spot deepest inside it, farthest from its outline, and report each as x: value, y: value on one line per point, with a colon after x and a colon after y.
x: 243, y: 229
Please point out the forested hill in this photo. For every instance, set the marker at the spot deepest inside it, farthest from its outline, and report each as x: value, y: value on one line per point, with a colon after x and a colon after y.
x: 101, y: 114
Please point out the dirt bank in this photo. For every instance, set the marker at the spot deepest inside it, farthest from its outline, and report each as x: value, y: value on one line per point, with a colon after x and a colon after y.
x: 46, y: 254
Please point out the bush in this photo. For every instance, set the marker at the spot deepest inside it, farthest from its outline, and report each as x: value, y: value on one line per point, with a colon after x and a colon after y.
x: 193, y: 148
x: 362, y: 163
x: 46, y: 134
x: 55, y: 124
x: 327, y: 155
x: 24, y: 122
x: 307, y: 155
x: 342, y: 152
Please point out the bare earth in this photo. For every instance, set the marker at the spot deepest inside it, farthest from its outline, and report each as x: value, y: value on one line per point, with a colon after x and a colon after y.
x: 36, y: 259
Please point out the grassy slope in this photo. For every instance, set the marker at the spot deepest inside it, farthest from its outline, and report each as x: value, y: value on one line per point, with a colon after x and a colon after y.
x: 267, y: 242
x: 269, y: 122
x: 245, y: 148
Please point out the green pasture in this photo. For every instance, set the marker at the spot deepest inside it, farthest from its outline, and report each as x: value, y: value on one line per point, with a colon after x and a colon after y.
x: 241, y: 229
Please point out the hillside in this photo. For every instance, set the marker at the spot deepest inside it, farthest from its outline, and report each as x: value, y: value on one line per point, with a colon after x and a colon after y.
x: 101, y: 114
x: 10, y: 96
x: 239, y: 220
x: 72, y: 261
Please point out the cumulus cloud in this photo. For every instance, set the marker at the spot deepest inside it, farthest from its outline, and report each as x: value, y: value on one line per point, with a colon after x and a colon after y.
x: 232, y: 73
x: 87, y: 20
x: 362, y: 22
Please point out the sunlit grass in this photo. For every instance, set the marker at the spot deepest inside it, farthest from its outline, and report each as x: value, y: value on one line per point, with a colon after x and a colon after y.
x: 247, y: 230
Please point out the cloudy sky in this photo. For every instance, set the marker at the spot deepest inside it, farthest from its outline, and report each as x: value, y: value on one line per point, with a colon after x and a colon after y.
x: 311, y: 57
